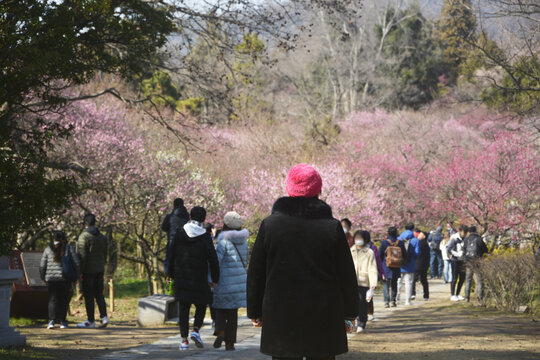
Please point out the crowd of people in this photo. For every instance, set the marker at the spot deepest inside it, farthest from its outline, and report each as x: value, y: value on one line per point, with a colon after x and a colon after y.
x: 303, y: 262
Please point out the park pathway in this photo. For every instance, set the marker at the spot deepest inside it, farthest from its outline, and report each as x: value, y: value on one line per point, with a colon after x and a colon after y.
x: 248, y: 336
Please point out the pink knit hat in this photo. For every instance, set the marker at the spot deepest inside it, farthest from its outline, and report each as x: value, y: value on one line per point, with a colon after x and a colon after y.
x: 304, y: 181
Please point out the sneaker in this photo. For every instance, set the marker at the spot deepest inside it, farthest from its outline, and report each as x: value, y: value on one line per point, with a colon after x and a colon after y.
x: 184, y: 345
x: 394, y: 304
x: 104, y: 322
x: 460, y: 298
x: 426, y: 299
x: 86, y: 325
x: 413, y: 297
x: 370, y: 318
x: 359, y: 330
x: 387, y: 305
x: 51, y: 325
x: 408, y: 303
x: 64, y: 325
x: 196, y: 337
x: 454, y: 298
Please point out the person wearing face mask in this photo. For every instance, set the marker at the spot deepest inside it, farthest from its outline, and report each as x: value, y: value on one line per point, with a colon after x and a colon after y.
x: 51, y: 270
x: 347, y: 226
x: 365, y: 265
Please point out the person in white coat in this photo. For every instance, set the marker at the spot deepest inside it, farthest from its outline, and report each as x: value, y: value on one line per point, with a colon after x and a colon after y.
x: 365, y: 265
x: 230, y: 292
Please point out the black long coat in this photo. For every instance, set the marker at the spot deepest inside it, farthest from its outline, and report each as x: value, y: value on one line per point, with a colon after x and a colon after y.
x: 422, y: 261
x: 189, y: 260
x: 301, y: 281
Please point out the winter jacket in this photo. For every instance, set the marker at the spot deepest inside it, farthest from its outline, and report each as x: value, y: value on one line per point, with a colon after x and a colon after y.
x: 190, y: 255
x: 365, y: 266
x: 456, y: 248
x: 50, y: 270
x: 411, y: 245
x: 480, y: 245
x: 422, y: 261
x: 377, y: 258
x: 390, y: 273
x: 230, y: 292
x: 435, y: 238
x: 92, y: 248
x: 444, y: 252
x: 301, y: 281
x: 175, y: 220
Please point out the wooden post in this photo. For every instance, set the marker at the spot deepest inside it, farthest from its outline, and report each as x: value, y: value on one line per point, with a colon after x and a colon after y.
x: 155, y: 285
x: 111, y: 294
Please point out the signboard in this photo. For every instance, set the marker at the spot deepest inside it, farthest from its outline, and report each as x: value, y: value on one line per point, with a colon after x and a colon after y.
x: 30, y: 262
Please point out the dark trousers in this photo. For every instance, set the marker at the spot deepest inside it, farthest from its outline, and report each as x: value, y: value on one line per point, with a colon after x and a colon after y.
x: 227, y: 321
x: 183, y: 318
x: 92, y: 286
x: 58, y: 300
x: 370, y: 309
x: 458, y: 277
x: 362, y: 307
x: 421, y: 275
x: 301, y: 358
x: 435, y: 263
x: 390, y: 284
x: 469, y: 273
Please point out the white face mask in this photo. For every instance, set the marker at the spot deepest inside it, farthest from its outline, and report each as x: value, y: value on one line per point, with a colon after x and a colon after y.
x: 56, y: 243
x: 359, y: 242
x: 345, y: 230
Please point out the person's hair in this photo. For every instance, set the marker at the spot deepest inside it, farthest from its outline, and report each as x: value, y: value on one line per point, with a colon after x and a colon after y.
x: 357, y: 233
x: 209, y: 227
x: 463, y: 228
x: 346, y: 221
x: 409, y: 226
x: 417, y: 230
x: 366, y: 236
x: 198, y: 213
x: 59, y: 249
x: 392, y: 231
x: 178, y: 202
x: 472, y: 229
x: 89, y: 219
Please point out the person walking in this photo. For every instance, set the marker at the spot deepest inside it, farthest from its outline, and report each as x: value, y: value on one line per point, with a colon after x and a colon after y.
x: 366, y: 274
x: 178, y: 217
x: 392, y: 271
x: 230, y: 292
x: 456, y: 249
x: 302, y: 286
x: 52, y: 271
x: 447, y: 267
x: 190, y: 256
x: 347, y: 229
x: 92, y: 248
x: 475, y: 249
x: 435, y: 262
x: 422, y: 264
x: 408, y: 269
x: 373, y: 247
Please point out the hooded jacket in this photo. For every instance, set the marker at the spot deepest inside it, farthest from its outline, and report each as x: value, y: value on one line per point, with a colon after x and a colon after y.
x: 413, y: 248
x: 301, y: 281
x: 92, y: 248
x: 190, y: 255
x: 435, y: 238
x: 230, y: 292
x: 365, y: 266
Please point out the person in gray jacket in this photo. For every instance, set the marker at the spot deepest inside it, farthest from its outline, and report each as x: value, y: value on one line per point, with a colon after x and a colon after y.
x: 92, y: 248
x: 50, y: 270
x: 230, y: 292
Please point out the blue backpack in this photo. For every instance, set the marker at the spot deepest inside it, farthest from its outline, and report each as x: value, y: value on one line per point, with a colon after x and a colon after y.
x: 69, y: 270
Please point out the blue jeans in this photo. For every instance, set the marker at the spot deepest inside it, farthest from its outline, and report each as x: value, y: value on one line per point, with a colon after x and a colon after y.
x: 435, y: 263
x: 447, y: 271
x: 390, y: 289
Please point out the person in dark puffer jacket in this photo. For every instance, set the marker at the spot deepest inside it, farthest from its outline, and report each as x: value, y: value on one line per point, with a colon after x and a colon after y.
x: 50, y: 270
x: 92, y: 248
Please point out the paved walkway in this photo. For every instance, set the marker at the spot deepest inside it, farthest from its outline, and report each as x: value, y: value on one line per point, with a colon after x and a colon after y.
x: 248, y: 336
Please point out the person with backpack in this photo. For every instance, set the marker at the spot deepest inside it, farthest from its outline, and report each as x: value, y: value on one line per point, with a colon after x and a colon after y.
x: 93, y: 248
x: 178, y: 217
x: 392, y: 252
x: 191, y: 255
x: 456, y: 251
x: 475, y: 249
x: 408, y: 269
x: 302, y: 287
x: 366, y: 274
x: 422, y: 264
x: 435, y: 261
x: 230, y: 292
x: 55, y: 270
x: 373, y: 247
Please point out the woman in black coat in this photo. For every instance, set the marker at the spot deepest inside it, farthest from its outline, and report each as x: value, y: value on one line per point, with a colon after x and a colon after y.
x: 189, y: 255
x: 301, y: 283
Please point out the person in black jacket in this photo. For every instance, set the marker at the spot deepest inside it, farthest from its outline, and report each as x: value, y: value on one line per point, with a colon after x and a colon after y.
x: 422, y: 263
x: 189, y: 255
x: 178, y: 217
x: 301, y: 285
x: 475, y: 248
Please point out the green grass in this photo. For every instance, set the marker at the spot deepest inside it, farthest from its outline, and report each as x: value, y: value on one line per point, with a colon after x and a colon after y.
x: 23, y: 353
x: 24, y: 322
x: 130, y: 288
